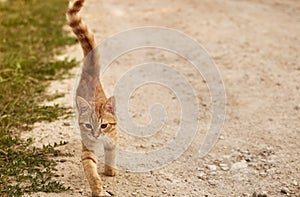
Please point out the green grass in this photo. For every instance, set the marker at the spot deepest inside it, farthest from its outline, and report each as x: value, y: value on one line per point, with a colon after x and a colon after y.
x: 30, y: 33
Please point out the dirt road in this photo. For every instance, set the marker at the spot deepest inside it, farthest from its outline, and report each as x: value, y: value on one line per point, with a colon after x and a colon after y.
x: 256, y: 46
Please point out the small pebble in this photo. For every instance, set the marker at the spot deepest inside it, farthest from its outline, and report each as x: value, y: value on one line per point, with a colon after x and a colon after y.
x: 212, y: 182
x: 295, y: 183
x: 263, y: 174
x: 212, y: 167
x: 259, y: 195
x: 202, y: 176
x: 285, y: 190
x: 224, y: 166
x: 239, y: 165
x: 66, y: 124
x: 248, y: 158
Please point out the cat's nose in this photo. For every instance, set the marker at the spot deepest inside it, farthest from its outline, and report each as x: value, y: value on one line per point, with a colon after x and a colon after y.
x: 97, y: 134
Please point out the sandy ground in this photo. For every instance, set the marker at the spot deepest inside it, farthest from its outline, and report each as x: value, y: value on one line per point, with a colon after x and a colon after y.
x: 256, y: 47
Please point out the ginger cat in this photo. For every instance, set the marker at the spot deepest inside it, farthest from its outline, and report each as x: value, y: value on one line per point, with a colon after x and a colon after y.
x: 96, y: 113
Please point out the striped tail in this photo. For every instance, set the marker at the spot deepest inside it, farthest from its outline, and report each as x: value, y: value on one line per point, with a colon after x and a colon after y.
x: 85, y: 37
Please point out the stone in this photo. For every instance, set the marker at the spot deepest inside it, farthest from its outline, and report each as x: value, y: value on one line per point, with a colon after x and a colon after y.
x: 212, y: 167
x: 239, y: 165
x: 202, y: 176
x: 66, y: 124
x: 285, y: 190
x: 224, y: 166
x: 212, y: 182
x: 263, y: 174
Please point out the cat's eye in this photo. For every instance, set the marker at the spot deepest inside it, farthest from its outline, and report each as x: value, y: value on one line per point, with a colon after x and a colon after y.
x: 103, y: 126
x: 89, y: 126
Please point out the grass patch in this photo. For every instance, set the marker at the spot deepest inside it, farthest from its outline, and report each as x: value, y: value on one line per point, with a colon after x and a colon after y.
x: 30, y: 31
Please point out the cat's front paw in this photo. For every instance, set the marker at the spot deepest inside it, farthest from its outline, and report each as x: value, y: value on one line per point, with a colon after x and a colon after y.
x: 110, y: 171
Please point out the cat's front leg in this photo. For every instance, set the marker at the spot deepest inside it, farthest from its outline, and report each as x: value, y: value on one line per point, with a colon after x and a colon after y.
x: 110, y: 163
x: 110, y: 156
x: 89, y: 163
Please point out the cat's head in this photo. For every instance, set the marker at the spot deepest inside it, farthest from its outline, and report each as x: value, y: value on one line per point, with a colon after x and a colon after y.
x: 96, y: 124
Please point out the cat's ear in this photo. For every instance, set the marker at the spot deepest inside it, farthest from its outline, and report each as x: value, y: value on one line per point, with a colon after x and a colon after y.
x: 82, y: 105
x: 110, y: 105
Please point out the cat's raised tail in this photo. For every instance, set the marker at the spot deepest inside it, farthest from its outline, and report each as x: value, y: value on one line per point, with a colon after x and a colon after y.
x: 83, y: 34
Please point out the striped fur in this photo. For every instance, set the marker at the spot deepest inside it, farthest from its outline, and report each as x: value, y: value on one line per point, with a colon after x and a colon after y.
x: 83, y: 34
